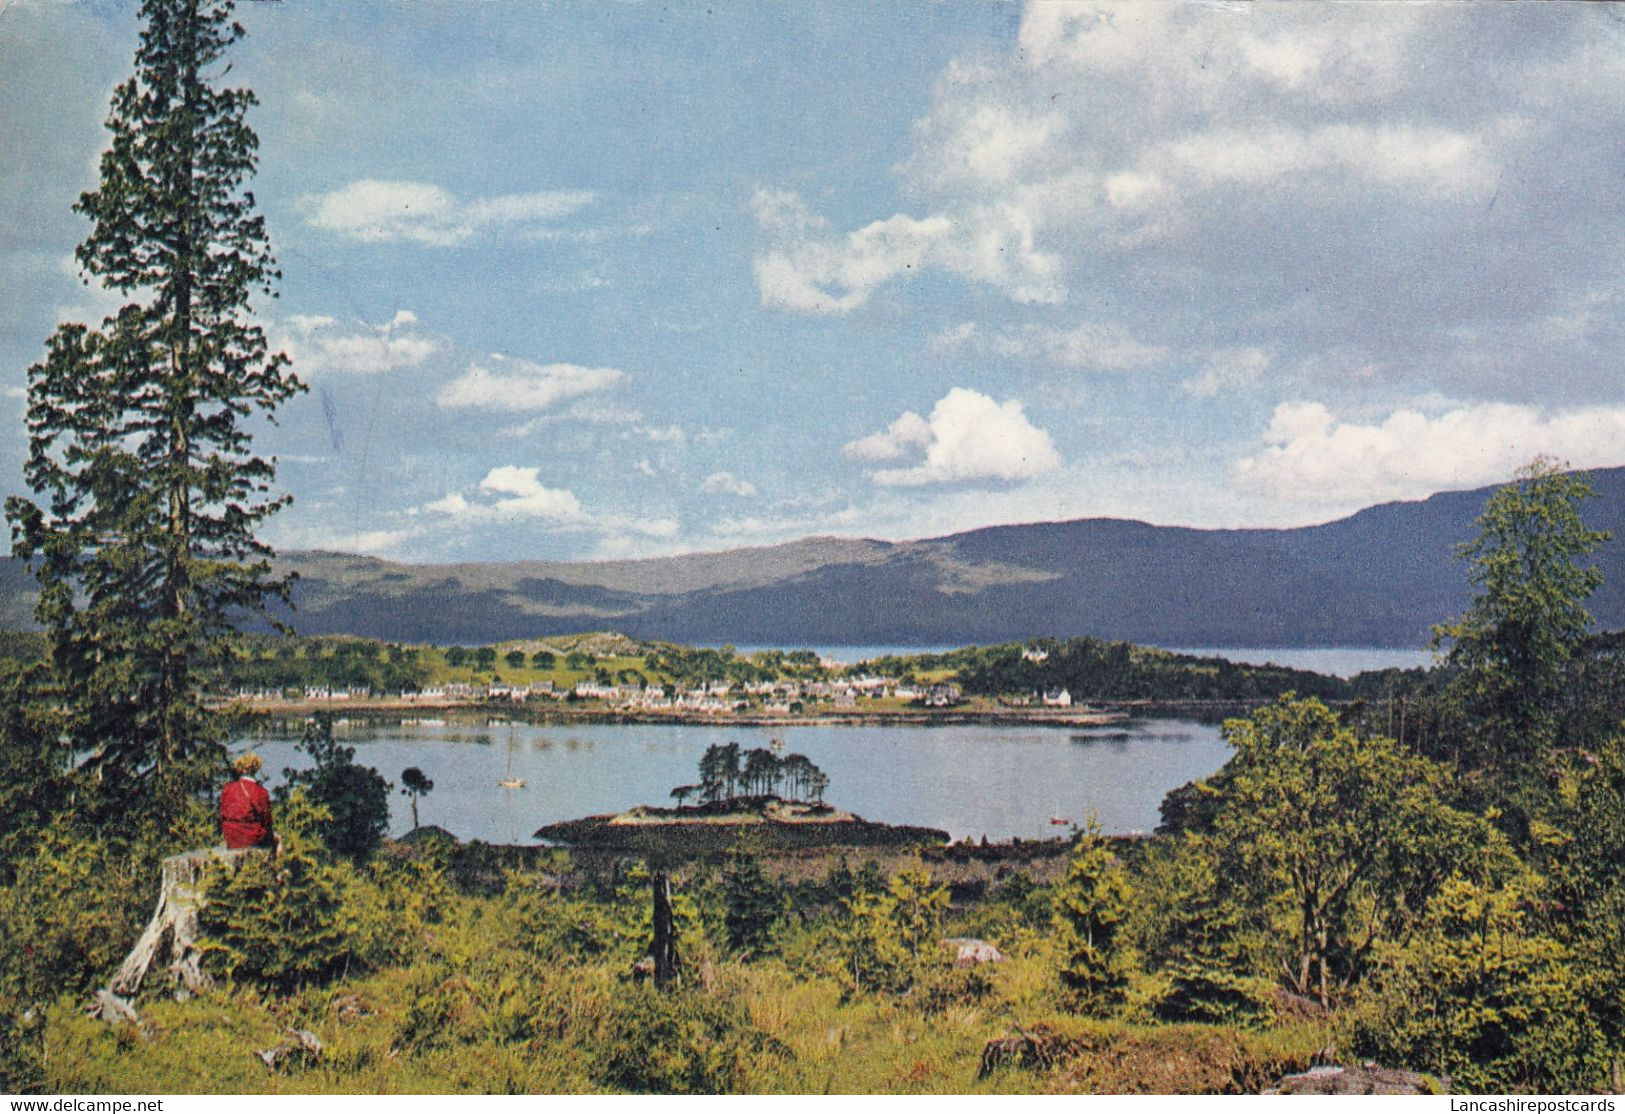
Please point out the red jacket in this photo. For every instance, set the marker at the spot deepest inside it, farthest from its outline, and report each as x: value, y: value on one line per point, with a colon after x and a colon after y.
x: 245, y: 814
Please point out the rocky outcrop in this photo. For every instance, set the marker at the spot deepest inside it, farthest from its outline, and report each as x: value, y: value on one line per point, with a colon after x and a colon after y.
x: 1361, y: 1079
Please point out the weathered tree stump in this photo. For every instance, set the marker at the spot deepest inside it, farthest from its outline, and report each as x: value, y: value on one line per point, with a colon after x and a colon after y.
x: 171, y: 936
x: 665, y: 941
x: 305, y: 1046
x: 1038, y: 1050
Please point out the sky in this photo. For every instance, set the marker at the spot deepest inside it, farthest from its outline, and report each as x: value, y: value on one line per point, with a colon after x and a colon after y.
x: 589, y: 280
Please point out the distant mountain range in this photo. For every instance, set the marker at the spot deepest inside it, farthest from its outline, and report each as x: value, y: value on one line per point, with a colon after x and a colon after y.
x: 1381, y: 577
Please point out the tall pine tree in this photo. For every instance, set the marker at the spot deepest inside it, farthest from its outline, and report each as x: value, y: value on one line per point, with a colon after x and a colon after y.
x: 149, y: 493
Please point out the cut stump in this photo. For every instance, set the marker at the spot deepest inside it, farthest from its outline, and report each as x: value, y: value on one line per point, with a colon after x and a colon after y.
x: 170, y: 939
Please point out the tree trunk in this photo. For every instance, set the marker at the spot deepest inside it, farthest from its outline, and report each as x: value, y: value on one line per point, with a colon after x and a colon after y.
x: 171, y: 937
x: 665, y: 943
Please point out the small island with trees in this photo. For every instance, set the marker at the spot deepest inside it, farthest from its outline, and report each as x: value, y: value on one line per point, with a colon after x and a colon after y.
x: 739, y: 795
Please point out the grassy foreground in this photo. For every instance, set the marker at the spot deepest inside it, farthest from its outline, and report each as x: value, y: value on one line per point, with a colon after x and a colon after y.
x: 489, y: 1005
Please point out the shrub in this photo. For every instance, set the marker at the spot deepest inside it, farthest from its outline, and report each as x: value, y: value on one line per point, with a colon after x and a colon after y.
x: 387, y: 909
x: 884, y: 941
x: 682, y: 1043
x: 753, y: 905
x: 1479, y: 998
x: 354, y: 798
x: 277, y: 923
x: 1200, y: 938
x: 71, y: 913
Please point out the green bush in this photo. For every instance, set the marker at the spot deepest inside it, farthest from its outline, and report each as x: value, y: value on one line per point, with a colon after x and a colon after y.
x: 1092, y: 903
x: 883, y: 942
x: 388, y: 908
x: 754, y: 906
x: 73, y: 910
x: 278, y: 922
x: 354, y: 798
x: 1200, y: 937
x: 1482, y: 999
x: 683, y: 1043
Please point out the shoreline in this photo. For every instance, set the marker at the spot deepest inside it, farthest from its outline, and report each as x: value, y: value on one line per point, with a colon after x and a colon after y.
x: 1096, y: 714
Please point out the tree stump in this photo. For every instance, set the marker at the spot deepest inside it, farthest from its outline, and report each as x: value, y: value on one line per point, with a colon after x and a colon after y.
x: 171, y: 937
x: 1037, y: 1050
x: 665, y: 941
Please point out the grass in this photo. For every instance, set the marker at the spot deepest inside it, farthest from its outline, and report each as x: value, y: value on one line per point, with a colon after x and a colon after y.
x: 481, y: 1004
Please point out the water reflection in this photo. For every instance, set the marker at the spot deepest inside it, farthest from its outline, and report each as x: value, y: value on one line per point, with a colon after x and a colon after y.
x: 970, y: 780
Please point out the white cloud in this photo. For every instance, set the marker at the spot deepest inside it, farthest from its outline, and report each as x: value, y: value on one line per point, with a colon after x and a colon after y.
x: 1228, y: 369
x: 804, y: 269
x: 737, y: 530
x: 968, y: 438
x: 1099, y: 346
x: 908, y: 431
x: 1311, y: 457
x: 377, y: 543
x: 981, y: 141
x: 726, y: 483
x: 1435, y: 160
x: 1334, y: 177
x: 318, y: 344
x: 520, y: 495
x: 523, y: 495
x: 952, y: 338
x: 375, y: 211
x: 519, y: 385
x: 1088, y: 345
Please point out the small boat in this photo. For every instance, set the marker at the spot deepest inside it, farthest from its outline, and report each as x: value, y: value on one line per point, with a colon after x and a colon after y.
x: 1058, y: 822
x: 776, y: 744
x: 508, y: 780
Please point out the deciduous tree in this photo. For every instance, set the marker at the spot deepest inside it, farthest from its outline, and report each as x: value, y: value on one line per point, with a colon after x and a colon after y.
x: 1346, y: 837
x: 1529, y: 618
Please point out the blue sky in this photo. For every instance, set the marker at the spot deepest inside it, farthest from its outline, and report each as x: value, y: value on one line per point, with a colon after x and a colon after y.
x: 583, y: 280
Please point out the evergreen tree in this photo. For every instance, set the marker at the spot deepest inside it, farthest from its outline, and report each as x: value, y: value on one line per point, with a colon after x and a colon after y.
x: 1206, y: 944
x: 753, y: 904
x: 1091, y: 904
x: 143, y: 538
x: 884, y: 940
x: 415, y: 783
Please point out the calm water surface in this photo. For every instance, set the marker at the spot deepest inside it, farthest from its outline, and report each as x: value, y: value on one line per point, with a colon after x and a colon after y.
x: 1335, y: 661
x: 1338, y: 661
x: 969, y: 780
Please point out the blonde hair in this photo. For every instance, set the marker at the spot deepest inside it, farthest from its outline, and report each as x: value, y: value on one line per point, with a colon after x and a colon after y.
x: 247, y: 765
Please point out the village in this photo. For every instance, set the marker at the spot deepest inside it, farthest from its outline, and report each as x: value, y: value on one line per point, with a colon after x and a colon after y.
x: 787, y: 699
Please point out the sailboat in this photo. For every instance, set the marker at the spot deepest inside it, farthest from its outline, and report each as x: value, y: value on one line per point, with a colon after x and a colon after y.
x: 509, y: 781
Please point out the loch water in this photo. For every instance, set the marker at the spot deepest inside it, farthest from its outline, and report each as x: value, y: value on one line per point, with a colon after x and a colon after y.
x: 969, y: 780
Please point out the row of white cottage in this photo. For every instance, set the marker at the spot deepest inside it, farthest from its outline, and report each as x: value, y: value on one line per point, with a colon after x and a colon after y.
x: 776, y: 696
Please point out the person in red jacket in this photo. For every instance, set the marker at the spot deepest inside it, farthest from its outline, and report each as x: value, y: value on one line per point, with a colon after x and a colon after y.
x: 245, y: 808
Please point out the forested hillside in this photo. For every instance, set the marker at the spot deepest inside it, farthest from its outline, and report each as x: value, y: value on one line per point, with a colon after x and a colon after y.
x: 1382, y: 577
